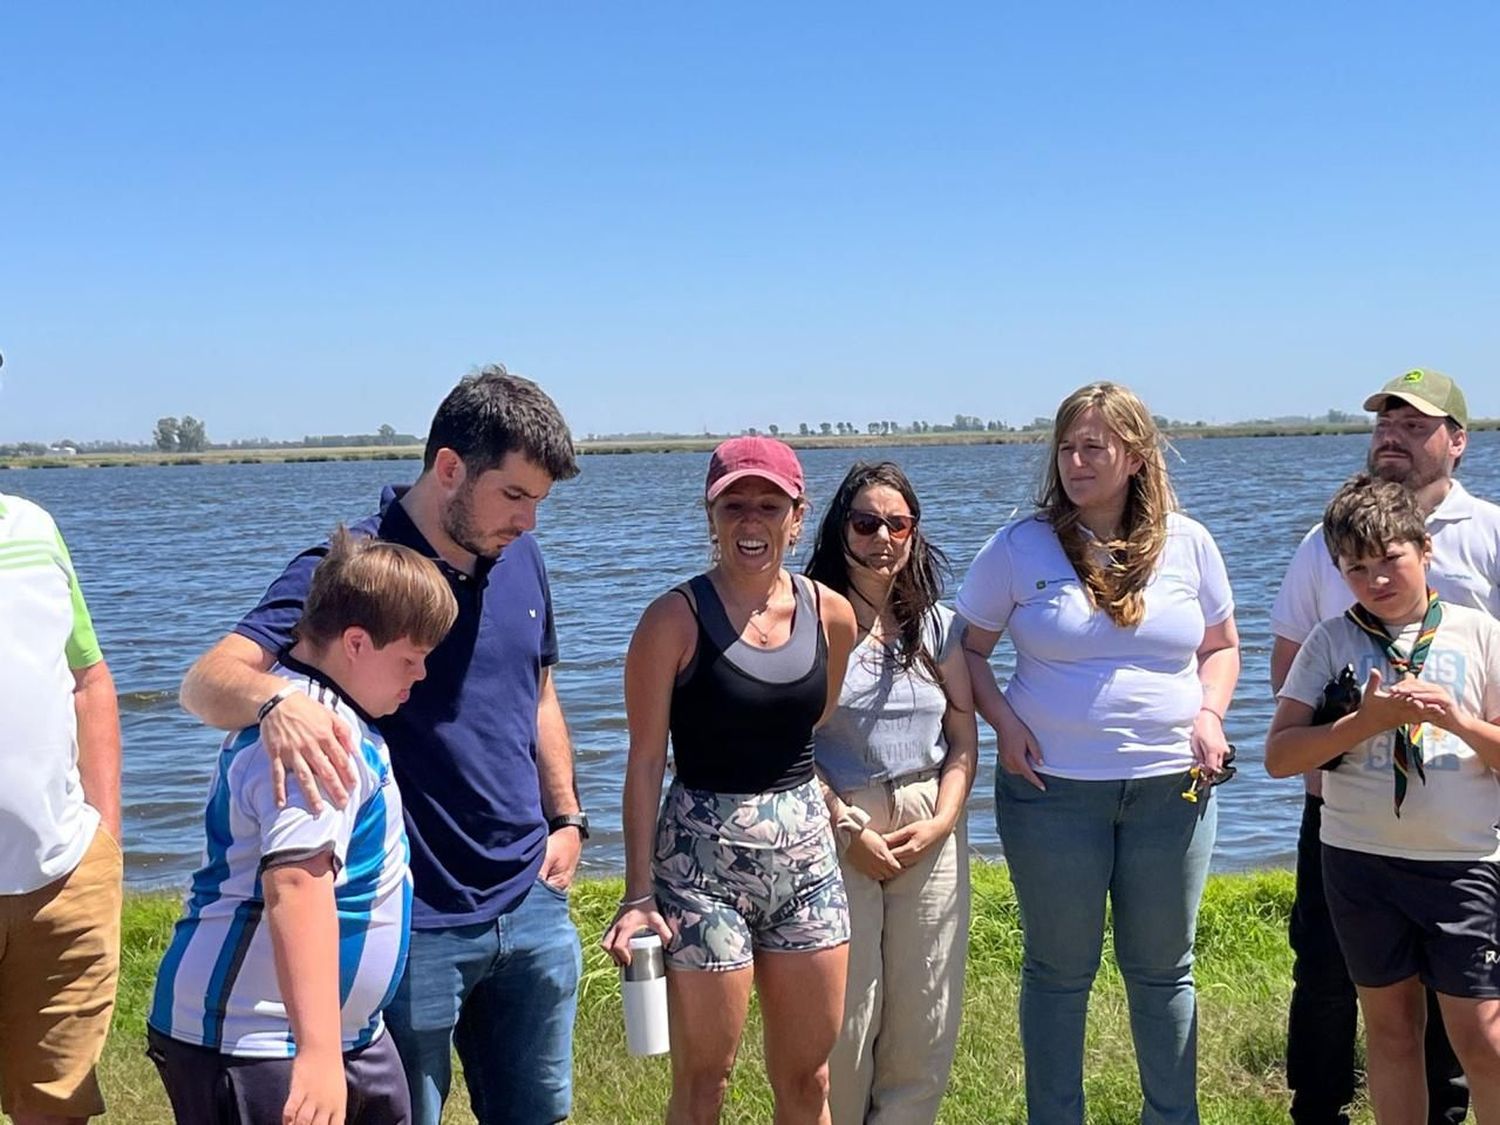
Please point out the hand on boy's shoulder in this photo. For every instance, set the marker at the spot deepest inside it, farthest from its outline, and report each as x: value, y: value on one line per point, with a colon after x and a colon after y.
x: 310, y: 742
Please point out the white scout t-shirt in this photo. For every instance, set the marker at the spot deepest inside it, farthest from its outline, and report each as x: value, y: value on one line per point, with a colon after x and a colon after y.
x: 1104, y: 703
x: 1465, y: 567
x: 1451, y: 817
x: 46, y: 826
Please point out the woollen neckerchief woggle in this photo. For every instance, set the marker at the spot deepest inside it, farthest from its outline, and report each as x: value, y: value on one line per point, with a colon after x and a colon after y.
x: 1408, y: 750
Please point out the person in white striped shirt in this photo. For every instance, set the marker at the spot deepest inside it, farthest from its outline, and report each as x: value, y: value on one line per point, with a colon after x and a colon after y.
x: 268, y: 1001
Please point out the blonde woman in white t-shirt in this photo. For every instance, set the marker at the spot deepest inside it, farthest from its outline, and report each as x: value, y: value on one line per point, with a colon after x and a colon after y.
x: 1122, y: 619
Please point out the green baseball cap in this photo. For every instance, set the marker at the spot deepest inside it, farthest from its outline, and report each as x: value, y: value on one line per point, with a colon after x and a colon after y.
x: 1431, y: 392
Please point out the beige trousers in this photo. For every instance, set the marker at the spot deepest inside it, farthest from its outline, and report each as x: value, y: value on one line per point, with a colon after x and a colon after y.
x: 907, y: 951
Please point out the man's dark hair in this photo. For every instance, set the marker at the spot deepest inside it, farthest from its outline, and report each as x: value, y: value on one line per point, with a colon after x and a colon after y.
x: 1368, y: 515
x: 492, y: 413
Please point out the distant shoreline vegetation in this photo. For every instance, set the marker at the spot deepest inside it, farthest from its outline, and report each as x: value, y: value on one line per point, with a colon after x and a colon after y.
x: 391, y: 446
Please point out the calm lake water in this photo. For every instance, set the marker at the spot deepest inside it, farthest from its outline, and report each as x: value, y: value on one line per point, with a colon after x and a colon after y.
x: 171, y: 556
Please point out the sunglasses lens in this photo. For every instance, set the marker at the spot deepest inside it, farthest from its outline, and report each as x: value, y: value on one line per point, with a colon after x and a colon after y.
x: 868, y: 523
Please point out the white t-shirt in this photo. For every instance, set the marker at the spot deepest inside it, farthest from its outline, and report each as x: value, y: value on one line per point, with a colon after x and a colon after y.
x: 45, y: 635
x: 1453, y: 816
x: 1465, y: 567
x: 217, y: 984
x: 1104, y: 703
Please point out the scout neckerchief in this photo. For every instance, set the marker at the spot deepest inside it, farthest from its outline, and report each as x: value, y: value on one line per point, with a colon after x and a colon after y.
x: 1408, y: 751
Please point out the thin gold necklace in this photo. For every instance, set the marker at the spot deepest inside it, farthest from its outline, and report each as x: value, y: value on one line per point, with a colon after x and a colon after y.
x: 762, y: 635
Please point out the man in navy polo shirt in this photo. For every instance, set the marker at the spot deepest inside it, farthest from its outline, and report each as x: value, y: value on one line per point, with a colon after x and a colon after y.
x: 480, y: 751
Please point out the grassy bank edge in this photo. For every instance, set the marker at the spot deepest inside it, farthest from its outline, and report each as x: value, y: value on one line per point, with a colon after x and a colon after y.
x: 1243, y: 974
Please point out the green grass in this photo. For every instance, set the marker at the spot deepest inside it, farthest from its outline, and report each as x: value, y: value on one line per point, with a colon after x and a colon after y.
x: 1244, y: 977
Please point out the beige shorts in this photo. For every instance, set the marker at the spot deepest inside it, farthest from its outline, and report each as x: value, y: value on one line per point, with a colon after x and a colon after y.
x: 59, y: 961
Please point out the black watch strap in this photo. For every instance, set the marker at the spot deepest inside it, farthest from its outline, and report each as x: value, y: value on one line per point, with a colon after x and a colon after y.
x: 578, y: 820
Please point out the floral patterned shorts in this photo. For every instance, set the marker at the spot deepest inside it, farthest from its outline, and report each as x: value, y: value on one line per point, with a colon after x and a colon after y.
x: 736, y: 873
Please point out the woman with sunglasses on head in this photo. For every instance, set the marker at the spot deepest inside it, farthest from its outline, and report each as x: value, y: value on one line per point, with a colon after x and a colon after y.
x: 1122, y: 619
x: 898, y: 757
x: 739, y: 665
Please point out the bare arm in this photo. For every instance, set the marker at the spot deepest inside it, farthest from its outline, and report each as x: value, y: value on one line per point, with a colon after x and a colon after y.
x: 99, y: 752
x: 1294, y: 746
x: 1019, y: 752
x: 305, y: 943
x: 908, y: 843
x: 226, y: 688
x: 662, y: 644
x: 1283, y: 652
x: 1218, y: 672
x: 554, y: 767
x: 841, y: 629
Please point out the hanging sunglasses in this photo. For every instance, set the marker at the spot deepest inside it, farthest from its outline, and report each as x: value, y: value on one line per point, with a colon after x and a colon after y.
x: 868, y: 523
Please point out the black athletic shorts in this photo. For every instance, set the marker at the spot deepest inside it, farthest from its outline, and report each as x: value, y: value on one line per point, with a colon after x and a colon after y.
x: 1435, y: 919
x: 207, y: 1088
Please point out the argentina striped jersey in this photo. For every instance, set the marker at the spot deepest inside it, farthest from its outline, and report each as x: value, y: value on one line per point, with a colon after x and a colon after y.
x: 217, y: 983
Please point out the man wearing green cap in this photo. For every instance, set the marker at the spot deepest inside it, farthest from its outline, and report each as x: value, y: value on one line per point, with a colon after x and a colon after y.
x: 1420, y: 435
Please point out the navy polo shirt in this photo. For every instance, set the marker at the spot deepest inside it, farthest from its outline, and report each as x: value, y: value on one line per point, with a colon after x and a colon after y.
x: 463, y: 746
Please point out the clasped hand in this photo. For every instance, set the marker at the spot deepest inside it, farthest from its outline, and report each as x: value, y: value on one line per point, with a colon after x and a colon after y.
x: 1409, y: 700
x: 882, y: 856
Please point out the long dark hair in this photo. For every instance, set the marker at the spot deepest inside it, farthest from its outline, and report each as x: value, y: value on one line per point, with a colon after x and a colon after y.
x: 918, y: 584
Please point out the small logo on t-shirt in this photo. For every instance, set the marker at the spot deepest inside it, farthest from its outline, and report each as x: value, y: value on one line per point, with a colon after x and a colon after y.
x: 1490, y: 956
x: 532, y: 612
x: 1043, y: 583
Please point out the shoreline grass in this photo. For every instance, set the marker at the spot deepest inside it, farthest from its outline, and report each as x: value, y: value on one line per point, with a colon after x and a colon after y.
x: 1243, y: 974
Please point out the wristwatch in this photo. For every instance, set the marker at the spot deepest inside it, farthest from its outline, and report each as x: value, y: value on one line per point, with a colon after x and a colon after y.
x: 578, y: 820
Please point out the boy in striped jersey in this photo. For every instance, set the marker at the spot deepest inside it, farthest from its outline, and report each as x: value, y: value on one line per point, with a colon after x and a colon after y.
x: 268, y: 1000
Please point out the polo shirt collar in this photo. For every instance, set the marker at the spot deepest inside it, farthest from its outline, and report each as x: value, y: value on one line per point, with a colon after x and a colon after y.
x: 1457, y: 505
x: 317, y: 675
x: 396, y: 526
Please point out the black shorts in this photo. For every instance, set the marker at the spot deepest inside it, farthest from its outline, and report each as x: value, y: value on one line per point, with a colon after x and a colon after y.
x: 1435, y: 919
x: 207, y: 1088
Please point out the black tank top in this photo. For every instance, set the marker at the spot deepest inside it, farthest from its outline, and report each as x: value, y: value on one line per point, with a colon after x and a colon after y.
x: 742, y: 717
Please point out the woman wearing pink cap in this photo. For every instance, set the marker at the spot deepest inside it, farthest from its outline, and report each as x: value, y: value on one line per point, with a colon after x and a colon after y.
x: 739, y: 665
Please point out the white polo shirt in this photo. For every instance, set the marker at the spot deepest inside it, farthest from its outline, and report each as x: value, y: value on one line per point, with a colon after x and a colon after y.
x: 1465, y: 567
x: 45, y: 634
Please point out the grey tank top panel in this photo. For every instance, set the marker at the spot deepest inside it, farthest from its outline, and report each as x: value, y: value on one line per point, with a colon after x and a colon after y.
x: 784, y: 664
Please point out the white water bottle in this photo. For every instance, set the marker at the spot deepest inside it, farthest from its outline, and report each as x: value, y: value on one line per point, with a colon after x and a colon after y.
x: 643, y: 989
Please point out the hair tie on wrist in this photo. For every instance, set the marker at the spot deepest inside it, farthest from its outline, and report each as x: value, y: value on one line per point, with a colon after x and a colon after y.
x: 1212, y: 712
x: 624, y: 902
x: 271, y: 704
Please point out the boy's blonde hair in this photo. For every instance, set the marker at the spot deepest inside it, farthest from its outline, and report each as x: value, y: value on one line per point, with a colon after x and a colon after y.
x: 388, y: 590
x: 1118, y: 587
x: 1368, y: 514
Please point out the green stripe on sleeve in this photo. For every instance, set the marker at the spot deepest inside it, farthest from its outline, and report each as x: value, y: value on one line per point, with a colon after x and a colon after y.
x: 83, y: 646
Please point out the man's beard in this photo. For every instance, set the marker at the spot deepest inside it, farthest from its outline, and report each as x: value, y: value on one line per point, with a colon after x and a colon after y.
x: 458, y: 524
x: 1406, y: 473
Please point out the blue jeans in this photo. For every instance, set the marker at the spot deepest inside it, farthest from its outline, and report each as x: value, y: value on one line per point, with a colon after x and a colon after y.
x: 503, y: 993
x: 1146, y: 849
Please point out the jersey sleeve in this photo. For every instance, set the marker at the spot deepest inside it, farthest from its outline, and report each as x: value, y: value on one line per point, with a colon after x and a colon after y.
x: 1296, y: 610
x: 986, y: 597
x: 82, y: 647
x: 1215, y: 596
x: 294, y: 832
x: 270, y: 623
x: 1312, y: 669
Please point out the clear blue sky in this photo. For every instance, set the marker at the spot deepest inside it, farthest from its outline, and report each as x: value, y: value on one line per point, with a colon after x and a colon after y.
x: 313, y: 218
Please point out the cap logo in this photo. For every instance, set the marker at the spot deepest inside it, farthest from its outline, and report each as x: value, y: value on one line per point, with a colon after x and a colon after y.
x: 1414, y: 376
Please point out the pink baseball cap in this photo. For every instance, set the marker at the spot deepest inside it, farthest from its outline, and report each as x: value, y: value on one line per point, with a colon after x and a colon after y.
x: 762, y: 457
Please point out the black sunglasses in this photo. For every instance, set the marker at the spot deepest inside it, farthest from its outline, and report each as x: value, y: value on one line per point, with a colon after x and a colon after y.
x: 868, y: 523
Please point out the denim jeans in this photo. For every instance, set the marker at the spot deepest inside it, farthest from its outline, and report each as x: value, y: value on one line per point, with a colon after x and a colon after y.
x: 1142, y: 846
x: 503, y: 993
